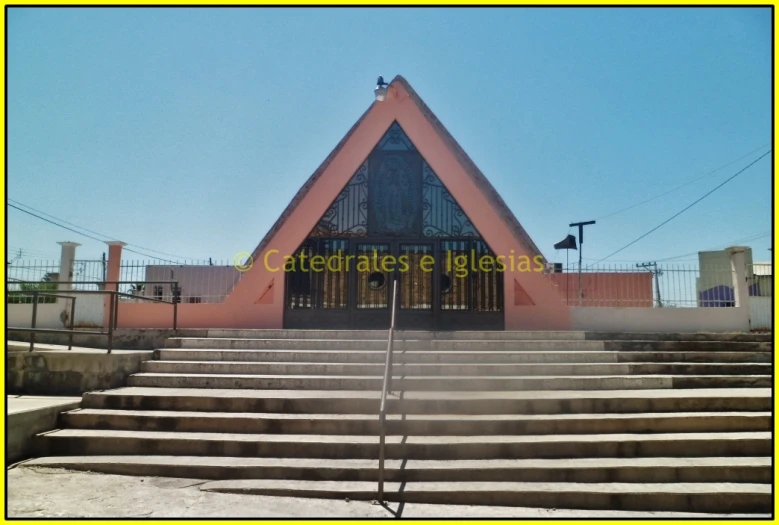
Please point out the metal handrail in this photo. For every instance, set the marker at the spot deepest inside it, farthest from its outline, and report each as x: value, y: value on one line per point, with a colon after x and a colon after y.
x: 385, y: 388
x: 37, y: 293
x: 33, y: 330
x: 113, y: 309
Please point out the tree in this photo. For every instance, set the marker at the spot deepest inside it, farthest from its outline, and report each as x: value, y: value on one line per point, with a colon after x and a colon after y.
x: 47, y: 285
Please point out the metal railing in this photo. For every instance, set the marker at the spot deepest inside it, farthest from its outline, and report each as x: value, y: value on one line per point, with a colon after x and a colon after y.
x: 33, y: 330
x: 47, y: 271
x: 385, y: 388
x: 113, y: 309
x: 648, y: 285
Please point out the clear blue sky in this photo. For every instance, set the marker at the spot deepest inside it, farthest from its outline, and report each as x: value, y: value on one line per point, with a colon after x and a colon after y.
x: 188, y: 131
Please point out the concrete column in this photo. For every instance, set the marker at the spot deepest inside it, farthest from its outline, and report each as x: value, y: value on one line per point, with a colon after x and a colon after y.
x: 67, y: 256
x: 738, y: 265
x: 114, y: 262
x: 112, y: 274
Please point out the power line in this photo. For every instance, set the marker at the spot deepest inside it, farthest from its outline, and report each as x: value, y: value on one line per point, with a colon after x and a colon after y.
x: 745, y: 239
x: 97, y: 233
x: 753, y: 237
x: 688, y: 207
x: 84, y: 234
x: 21, y: 252
x: 685, y: 184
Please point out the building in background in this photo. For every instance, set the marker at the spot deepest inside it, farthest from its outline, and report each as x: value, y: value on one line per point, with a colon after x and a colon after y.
x: 197, y: 283
x: 715, y: 283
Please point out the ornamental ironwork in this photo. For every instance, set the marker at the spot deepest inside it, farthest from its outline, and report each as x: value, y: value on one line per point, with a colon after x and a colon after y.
x: 442, y: 216
x: 395, y: 139
x: 348, y: 215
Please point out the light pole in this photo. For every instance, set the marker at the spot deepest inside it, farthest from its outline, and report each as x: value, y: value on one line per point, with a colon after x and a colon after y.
x: 581, y: 226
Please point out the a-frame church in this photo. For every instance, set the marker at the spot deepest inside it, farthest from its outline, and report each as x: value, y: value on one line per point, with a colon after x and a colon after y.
x: 398, y: 198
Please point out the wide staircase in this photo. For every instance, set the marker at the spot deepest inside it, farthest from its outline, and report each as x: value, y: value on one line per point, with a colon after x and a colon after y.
x: 566, y: 420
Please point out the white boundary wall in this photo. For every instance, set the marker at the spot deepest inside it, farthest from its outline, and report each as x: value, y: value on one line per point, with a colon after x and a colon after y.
x: 89, y: 313
x: 606, y: 319
x: 48, y: 316
x: 760, y: 313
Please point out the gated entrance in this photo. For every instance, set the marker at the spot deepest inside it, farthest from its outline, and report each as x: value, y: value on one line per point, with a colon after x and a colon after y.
x: 394, y: 220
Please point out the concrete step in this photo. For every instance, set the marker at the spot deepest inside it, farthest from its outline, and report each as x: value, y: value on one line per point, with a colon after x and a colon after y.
x: 679, y: 497
x: 462, y: 369
x: 238, y: 333
x: 450, y: 383
x: 457, y: 356
x: 414, y: 425
x: 695, y: 357
x: 380, y: 344
x: 381, y: 335
x: 676, y: 336
x: 586, y: 470
x: 484, y: 403
x: 688, y: 346
x: 471, y: 345
x: 118, y: 442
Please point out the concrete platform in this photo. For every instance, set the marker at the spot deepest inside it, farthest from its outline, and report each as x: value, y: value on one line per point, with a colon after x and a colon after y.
x: 678, y: 497
x: 53, y: 370
x: 41, y: 493
x: 578, y: 470
x: 20, y: 346
x: 31, y: 415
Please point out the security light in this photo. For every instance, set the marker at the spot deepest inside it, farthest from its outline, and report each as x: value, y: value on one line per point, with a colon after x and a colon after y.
x: 381, y: 89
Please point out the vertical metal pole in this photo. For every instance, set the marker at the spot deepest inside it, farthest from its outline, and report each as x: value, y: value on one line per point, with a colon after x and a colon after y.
x: 580, y: 272
x: 382, y: 437
x: 111, y: 322
x: 116, y: 308
x: 392, y: 331
x: 581, y: 226
x: 567, y: 278
x: 34, y: 318
x: 72, y: 321
x: 175, y: 314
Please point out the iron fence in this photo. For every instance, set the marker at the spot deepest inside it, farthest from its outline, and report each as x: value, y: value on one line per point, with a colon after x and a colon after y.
x: 44, y: 276
x: 646, y: 286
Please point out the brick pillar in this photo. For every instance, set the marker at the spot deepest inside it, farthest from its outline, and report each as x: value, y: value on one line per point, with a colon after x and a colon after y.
x: 112, y: 274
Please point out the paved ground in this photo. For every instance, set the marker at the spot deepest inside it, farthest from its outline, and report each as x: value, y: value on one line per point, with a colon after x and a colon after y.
x: 21, y: 346
x: 53, y: 493
x: 17, y: 404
